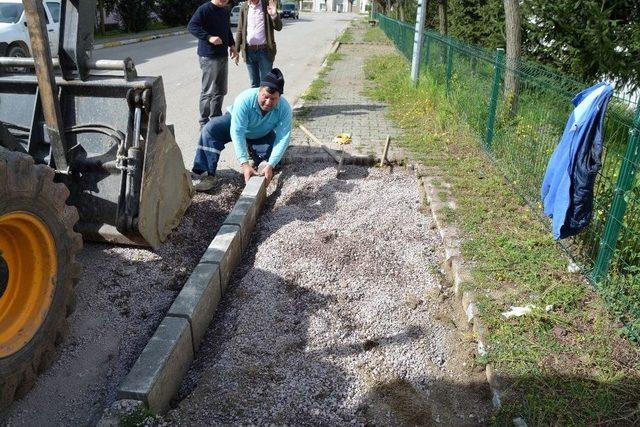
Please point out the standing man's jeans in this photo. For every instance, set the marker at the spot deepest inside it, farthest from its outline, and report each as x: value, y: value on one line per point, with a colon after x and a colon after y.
x: 214, y: 86
x: 213, y: 138
x: 258, y: 64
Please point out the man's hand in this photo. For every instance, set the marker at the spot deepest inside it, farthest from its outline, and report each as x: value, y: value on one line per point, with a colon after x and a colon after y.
x: 215, y: 40
x: 268, y: 174
x: 248, y: 172
x: 233, y: 52
x: 272, y: 10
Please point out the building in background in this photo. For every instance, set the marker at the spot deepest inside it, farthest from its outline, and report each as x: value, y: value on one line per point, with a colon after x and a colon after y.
x: 356, y: 6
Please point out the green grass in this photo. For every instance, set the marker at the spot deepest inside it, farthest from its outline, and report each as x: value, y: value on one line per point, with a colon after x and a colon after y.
x: 346, y: 37
x: 568, y: 366
x: 315, y: 91
x: 137, y: 418
x: 375, y: 35
x: 153, y: 26
x: 332, y: 58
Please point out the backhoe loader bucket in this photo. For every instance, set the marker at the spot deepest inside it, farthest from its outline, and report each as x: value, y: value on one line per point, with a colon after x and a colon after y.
x: 126, y: 173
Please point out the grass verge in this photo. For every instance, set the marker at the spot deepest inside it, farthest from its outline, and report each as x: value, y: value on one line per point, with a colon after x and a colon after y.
x: 566, y: 366
x: 315, y: 90
x: 375, y: 35
x: 153, y: 26
x: 346, y: 37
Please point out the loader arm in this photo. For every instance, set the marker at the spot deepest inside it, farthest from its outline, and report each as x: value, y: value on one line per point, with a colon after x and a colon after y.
x: 36, y: 24
x: 100, y: 126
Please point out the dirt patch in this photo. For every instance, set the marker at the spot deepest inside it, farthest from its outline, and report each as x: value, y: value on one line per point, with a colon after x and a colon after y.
x: 122, y: 297
x: 332, y: 317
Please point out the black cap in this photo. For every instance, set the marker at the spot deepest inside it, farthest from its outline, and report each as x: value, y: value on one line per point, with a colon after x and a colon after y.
x: 274, y: 80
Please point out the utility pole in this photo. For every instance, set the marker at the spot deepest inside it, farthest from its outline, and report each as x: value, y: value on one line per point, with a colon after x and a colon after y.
x: 417, y: 40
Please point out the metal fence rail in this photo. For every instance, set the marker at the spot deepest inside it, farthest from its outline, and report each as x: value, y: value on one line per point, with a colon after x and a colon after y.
x: 522, y: 140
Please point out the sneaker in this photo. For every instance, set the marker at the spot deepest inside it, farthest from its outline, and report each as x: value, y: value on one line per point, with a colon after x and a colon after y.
x: 205, y: 184
x: 197, y: 176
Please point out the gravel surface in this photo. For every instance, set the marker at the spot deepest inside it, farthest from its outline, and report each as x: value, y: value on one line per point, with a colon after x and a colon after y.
x: 337, y: 315
x: 122, y: 297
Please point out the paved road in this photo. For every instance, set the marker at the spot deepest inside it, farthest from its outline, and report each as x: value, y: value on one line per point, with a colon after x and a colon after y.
x: 302, y: 45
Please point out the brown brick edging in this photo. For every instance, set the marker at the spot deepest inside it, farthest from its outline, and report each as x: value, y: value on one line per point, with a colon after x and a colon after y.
x: 157, y: 374
x: 457, y: 271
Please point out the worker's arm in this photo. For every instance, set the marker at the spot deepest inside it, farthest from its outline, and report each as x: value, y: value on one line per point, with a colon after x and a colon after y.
x: 230, y: 35
x: 274, y: 15
x: 283, y: 136
x: 195, y: 26
x: 238, y: 131
x: 239, y: 41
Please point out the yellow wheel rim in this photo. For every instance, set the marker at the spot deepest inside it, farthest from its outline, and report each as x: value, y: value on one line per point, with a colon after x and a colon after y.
x: 28, y: 252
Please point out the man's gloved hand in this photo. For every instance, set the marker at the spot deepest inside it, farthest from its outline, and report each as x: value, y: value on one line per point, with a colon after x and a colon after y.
x: 248, y: 172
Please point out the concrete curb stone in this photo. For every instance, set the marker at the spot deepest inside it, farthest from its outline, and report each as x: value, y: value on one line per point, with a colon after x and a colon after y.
x: 167, y: 356
x: 458, y: 271
x: 224, y: 253
x: 198, y: 300
x: 157, y: 374
x: 245, y: 212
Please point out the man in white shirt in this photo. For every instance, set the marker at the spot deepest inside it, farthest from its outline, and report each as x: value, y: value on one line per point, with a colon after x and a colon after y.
x: 255, y: 39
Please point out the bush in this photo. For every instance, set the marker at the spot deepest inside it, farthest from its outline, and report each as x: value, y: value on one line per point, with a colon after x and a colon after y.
x: 177, y: 12
x: 134, y: 14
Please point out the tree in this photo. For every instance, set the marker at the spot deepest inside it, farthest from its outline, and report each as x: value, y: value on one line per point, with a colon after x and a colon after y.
x: 177, y: 12
x: 101, y: 16
x: 134, y: 14
x: 477, y: 22
x: 442, y: 16
x: 513, y: 25
x: 589, y: 39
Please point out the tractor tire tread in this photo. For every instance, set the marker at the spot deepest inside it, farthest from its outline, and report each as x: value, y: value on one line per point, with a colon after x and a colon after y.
x: 21, y: 178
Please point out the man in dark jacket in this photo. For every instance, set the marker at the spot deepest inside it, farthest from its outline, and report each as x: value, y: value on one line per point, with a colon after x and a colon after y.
x: 210, y: 25
x: 254, y: 38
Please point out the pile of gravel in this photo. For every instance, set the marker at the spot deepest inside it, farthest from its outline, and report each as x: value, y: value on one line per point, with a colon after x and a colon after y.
x: 122, y: 297
x: 336, y: 315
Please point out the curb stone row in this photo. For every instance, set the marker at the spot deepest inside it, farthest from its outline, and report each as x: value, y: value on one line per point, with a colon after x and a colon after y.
x: 157, y: 374
x: 158, y: 371
x: 457, y: 270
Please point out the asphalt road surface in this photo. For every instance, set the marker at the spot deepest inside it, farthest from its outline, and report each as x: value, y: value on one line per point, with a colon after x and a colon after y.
x: 302, y: 46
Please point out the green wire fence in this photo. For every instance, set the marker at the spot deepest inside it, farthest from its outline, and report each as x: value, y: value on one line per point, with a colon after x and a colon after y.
x: 521, y: 139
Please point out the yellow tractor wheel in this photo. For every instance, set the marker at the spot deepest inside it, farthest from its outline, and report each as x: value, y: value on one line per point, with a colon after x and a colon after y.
x: 38, y: 270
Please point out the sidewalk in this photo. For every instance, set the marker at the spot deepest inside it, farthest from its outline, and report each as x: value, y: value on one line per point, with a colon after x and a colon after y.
x: 343, y: 108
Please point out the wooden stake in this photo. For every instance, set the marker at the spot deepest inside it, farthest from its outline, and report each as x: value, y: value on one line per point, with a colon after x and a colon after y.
x: 386, y: 150
x: 333, y: 155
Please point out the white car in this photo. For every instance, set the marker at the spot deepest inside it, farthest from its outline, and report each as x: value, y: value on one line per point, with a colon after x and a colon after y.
x: 234, y: 16
x: 14, y: 36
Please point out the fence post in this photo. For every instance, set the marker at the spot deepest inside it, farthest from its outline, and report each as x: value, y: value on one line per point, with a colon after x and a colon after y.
x: 611, y: 233
x: 493, y: 102
x: 449, y: 65
x: 427, y: 51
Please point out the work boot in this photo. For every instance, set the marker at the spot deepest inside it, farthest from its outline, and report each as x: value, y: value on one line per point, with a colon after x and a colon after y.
x: 206, y: 183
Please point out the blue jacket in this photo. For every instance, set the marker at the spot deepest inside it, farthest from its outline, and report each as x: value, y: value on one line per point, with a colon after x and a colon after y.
x: 247, y: 121
x: 567, y: 188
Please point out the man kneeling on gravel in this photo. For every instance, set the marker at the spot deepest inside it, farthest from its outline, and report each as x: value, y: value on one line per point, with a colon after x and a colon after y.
x: 258, y: 123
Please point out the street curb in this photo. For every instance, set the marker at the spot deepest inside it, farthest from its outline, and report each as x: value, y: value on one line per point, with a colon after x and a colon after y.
x: 137, y: 39
x: 157, y: 374
x: 457, y: 271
